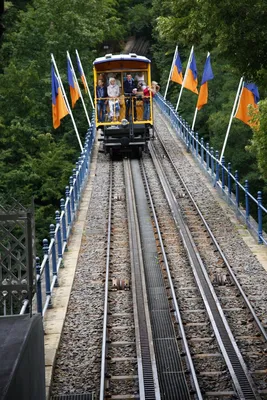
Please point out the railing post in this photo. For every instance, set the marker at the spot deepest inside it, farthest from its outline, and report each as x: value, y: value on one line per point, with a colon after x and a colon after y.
x: 217, y: 167
x: 259, y: 198
x: 187, y: 138
x: 54, y: 256
x: 64, y: 225
x: 86, y: 155
x: 223, y: 174
x: 39, y: 286
x: 87, y: 146
x: 67, y: 192
x: 202, y: 150
x: 186, y: 132
x: 178, y: 122
x: 212, y: 161
x: 75, y: 192
x: 80, y: 173
x: 81, y: 170
x: 236, y: 189
x: 83, y: 166
x: 247, y: 201
x: 59, y: 238
x: 229, y: 180
x: 184, y: 129
x: 192, y: 142
x: 72, y: 198
x: 207, y: 156
x: 78, y: 182
x: 197, y: 145
x: 47, y: 272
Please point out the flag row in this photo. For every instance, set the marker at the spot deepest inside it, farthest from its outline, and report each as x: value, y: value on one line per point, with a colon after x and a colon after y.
x: 247, y: 93
x: 60, y: 103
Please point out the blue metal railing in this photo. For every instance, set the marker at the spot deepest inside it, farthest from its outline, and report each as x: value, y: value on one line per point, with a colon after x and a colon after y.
x: 221, y: 175
x: 47, y: 269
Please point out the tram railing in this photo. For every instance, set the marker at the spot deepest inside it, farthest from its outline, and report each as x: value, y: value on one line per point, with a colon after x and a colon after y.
x: 47, y: 269
x: 236, y: 194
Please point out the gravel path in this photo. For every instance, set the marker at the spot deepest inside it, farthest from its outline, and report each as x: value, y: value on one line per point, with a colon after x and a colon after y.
x: 77, y: 367
x: 249, y: 271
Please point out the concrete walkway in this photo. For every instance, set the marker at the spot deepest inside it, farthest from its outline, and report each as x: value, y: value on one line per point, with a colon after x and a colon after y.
x: 55, y: 317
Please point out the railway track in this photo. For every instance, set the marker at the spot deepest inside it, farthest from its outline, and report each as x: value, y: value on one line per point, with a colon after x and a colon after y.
x: 240, y: 315
x: 159, y: 368
x: 200, y: 309
x: 213, y: 379
x: 185, y: 344
x: 137, y: 45
x: 127, y: 363
x: 118, y: 361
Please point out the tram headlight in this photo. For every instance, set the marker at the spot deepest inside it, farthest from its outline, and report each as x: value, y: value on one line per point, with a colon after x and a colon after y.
x: 124, y: 122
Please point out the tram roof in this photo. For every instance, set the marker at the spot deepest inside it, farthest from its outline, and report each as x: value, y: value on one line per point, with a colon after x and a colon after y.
x: 121, y: 57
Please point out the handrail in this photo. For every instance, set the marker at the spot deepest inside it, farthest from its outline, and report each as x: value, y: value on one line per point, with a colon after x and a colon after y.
x: 47, y: 270
x: 223, y: 180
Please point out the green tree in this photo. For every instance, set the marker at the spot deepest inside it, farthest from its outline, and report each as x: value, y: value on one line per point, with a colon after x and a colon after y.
x: 35, y: 160
x: 234, y: 34
x: 258, y: 143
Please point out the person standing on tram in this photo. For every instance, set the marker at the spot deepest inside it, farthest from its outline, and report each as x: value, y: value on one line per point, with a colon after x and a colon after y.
x: 130, y: 90
x: 114, y: 105
x: 101, y: 95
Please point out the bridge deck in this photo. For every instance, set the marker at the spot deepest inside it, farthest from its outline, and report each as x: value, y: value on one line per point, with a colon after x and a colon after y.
x: 54, y: 318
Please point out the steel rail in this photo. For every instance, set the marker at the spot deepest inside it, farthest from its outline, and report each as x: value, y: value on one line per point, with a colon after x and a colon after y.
x: 147, y: 370
x: 176, y: 307
x: 133, y: 284
x: 105, y: 319
x: 233, y: 358
x: 246, y: 300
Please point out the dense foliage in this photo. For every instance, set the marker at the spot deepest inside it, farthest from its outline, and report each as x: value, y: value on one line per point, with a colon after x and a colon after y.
x: 36, y: 161
x: 234, y: 33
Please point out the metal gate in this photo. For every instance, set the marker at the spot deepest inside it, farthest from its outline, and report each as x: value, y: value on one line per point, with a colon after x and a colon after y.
x: 17, y: 258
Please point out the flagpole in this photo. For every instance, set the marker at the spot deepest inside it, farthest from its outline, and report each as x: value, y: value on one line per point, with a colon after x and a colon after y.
x: 173, y: 61
x: 196, y: 110
x: 232, y: 116
x: 66, y: 100
x: 194, y: 120
x: 185, y: 76
x: 78, y: 87
x: 86, y: 84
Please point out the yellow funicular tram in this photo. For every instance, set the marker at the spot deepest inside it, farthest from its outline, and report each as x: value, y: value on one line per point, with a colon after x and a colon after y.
x: 123, y: 102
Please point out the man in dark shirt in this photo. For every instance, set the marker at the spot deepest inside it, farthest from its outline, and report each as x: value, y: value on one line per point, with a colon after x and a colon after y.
x: 129, y: 92
x: 101, y: 95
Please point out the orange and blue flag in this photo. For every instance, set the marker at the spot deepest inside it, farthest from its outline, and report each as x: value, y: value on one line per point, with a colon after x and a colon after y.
x: 59, y: 108
x: 81, y: 74
x: 74, y: 92
x: 177, y: 75
x: 207, y: 76
x: 191, y: 78
x: 249, y: 96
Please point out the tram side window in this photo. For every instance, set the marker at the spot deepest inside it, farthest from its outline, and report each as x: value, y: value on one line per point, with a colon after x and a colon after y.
x: 103, y: 78
x: 137, y: 77
x: 140, y: 77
